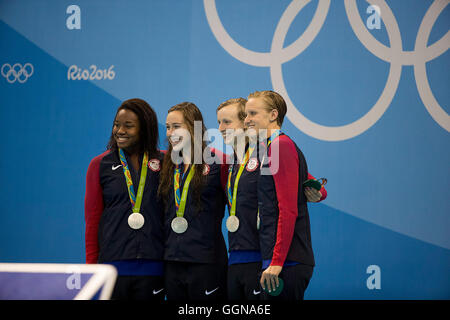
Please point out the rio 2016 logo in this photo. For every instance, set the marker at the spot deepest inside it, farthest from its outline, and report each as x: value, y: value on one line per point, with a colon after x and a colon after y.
x: 394, y: 55
x: 93, y: 73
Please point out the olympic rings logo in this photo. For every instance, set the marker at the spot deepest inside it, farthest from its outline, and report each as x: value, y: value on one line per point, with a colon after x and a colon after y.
x: 17, y: 72
x: 395, y: 55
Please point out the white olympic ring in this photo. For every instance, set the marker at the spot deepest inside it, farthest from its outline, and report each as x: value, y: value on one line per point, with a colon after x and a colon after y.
x: 394, y: 55
x: 17, y: 71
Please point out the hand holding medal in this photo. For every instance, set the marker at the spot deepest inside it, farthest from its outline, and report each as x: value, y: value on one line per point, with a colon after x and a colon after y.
x: 270, y: 282
x: 312, y: 189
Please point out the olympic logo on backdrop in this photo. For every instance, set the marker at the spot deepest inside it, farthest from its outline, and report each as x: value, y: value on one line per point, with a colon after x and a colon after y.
x: 17, y: 72
x: 395, y: 55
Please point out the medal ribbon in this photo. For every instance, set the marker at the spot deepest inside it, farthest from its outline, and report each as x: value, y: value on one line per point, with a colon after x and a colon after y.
x: 135, y: 200
x: 176, y: 185
x: 232, y: 199
x: 274, y: 135
x: 180, y: 202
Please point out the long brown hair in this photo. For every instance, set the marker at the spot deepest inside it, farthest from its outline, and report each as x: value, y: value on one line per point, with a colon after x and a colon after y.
x: 190, y: 114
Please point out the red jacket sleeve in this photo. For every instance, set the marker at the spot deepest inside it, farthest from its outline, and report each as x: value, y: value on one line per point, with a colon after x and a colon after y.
x: 284, y: 169
x: 224, y: 158
x: 323, y: 191
x: 93, y: 209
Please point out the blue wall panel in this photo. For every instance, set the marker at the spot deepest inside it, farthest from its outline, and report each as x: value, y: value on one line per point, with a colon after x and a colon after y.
x: 388, y: 172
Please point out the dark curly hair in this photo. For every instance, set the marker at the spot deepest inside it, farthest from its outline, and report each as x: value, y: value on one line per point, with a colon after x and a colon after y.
x: 148, y: 123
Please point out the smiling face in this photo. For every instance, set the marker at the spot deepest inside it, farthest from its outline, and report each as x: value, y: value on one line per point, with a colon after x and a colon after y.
x: 230, y: 126
x: 126, y: 130
x: 176, y: 130
x: 258, y: 115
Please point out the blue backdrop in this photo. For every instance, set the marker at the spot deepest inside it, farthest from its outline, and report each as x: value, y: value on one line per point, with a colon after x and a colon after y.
x: 367, y: 85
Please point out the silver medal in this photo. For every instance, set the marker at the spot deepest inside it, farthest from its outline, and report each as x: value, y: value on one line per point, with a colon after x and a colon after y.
x: 136, y: 220
x: 232, y: 223
x: 179, y: 224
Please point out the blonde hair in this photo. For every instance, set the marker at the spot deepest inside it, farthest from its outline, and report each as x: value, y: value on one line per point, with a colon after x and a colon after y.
x: 273, y: 101
x: 240, y: 102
